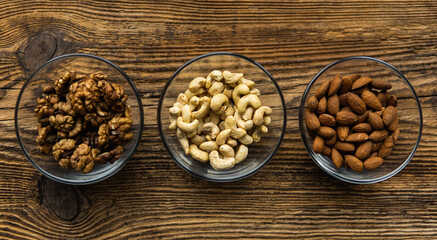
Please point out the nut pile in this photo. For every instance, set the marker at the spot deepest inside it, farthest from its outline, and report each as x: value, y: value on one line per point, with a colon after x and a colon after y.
x: 354, y: 121
x: 217, y: 117
x: 83, y: 120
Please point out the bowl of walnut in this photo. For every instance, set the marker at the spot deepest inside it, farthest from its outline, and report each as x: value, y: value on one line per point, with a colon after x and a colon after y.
x: 78, y: 119
x: 360, y: 120
x: 221, y: 117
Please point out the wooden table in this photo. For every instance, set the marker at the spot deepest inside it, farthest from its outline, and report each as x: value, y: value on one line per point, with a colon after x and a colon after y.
x: 151, y: 197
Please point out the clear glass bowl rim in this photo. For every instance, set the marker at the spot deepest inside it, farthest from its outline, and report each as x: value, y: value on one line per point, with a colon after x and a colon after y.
x: 239, y: 177
x: 110, y: 172
x: 310, y: 152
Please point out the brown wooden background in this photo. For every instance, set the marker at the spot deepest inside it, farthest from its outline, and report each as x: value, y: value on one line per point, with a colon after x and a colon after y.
x: 152, y: 197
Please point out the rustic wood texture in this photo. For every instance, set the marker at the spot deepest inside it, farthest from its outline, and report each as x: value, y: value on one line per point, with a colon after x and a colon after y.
x: 151, y: 197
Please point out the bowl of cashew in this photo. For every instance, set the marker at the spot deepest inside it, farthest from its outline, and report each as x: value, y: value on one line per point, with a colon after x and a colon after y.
x: 221, y: 117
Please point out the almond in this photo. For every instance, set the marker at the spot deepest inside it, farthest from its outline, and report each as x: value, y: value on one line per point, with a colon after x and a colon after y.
x: 383, y: 97
x: 361, y: 90
x: 331, y: 142
x: 381, y: 84
x: 389, y: 115
x: 323, y: 104
x: 395, y: 135
x: 346, y: 118
x: 326, y: 151
x: 336, y: 158
x: 312, y: 103
x: 352, y: 77
x: 342, y: 132
x: 356, y: 103
x: 354, y: 163
x: 311, y: 121
x: 377, y: 136
x: 333, y: 105
x: 346, y: 85
x: 347, y: 109
x: 392, y: 101
x: 376, y: 146
x: 379, y: 113
x: 357, y: 137
x: 326, y: 132
x: 335, y: 85
x: 371, y: 100
x: 363, y: 151
x: 343, y: 99
x: 327, y: 120
x: 322, y: 89
x: 361, y: 82
x: 373, y: 163
x: 363, y: 117
x: 362, y: 127
x: 386, y: 147
x: 374, y: 154
x: 318, y: 144
x: 344, y: 146
x: 376, y: 121
x: 393, y: 125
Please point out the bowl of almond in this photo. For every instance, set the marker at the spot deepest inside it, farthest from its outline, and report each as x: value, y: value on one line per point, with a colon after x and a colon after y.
x: 360, y: 120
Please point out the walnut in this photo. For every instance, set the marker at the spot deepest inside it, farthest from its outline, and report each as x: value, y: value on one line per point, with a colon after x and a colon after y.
x: 77, y: 128
x: 103, y: 134
x: 44, y: 108
x: 65, y: 108
x: 110, y: 156
x: 63, y: 123
x: 82, y: 160
x: 63, y: 145
x: 62, y: 84
x: 42, y: 133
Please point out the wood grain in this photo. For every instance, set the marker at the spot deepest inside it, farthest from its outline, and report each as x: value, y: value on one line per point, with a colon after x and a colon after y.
x: 151, y: 197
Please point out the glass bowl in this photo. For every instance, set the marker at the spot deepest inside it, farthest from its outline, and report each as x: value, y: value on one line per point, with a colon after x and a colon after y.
x: 259, y: 153
x: 26, y: 123
x: 408, y: 107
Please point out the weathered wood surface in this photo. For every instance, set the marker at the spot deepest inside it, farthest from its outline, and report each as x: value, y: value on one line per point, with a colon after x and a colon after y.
x: 152, y: 197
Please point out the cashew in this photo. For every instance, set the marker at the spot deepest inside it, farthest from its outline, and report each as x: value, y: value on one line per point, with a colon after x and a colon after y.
x: 182, y: 99
x: 209, y: 146
x: 214, y: 118
x: 187, y: 127
x: 231, y: 78
x: 198, y: 154
x: 228, y: 92
x: 196, y: 84
x: 174, y: 114
x: 183, y: 140
x: 191, y: 134
x: 200, y: 126
x: 203, y: 110
x: 258, y: 116
x: 222, y: 163
x: 216, y: 88
x: 249, y: 113
x: 238, y: 133
x: 208, y: 138
x: 246, y: 125
x: 223, y: 136
x: 256, y: 135
x: 232, y: 142
x: 230, y: 123
x: 241, y: 153
x: 198, y: 139
x: 241, y: 89
x: 222, y: 126
x: 247, y: 82
x: 193, y: 103
x: 267, y: 120
x: 255, y: 91
x: 190, y: 93
x: 214, y: 75
x: 228, y: 112
x: 247, y: 100
x: 246, y: 140
x: 217, y: 102
x: 211, y: 129
x: 186, y: 113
